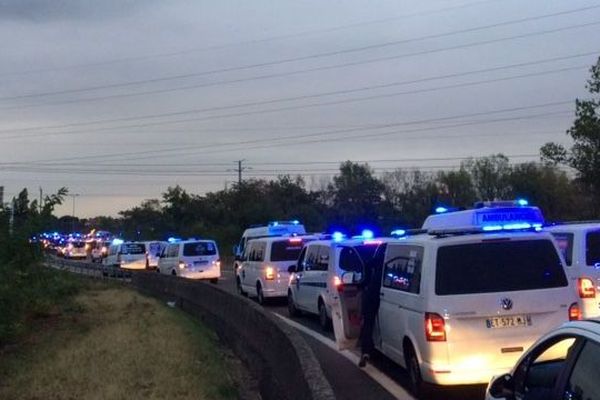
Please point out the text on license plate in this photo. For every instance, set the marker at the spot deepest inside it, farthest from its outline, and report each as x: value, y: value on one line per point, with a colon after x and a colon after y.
x: 513, y: 321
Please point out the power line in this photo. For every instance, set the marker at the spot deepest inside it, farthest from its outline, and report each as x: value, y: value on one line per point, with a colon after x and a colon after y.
x: 286, y: 108
x: 247, y: 42
x: 332, y: 53
x: 316, y: 95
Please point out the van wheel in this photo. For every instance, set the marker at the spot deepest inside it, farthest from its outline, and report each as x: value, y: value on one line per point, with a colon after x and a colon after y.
x: 238, y: 284
x: 323, y: 318
x: 259, y: 295
x: 173, y: 273
x: 417, y: 386
x: 292, y: 310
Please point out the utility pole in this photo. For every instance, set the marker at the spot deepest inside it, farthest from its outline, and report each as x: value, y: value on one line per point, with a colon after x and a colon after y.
x: 41, y: 197
x: 73, y: 195
x: 239, y: 170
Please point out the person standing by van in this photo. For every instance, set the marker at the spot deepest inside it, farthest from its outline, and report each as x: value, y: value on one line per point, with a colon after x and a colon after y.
x: 371, y: 286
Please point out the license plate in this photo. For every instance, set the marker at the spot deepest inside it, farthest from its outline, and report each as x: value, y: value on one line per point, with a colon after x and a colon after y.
x: 513, y: 321
x: 202, y: 262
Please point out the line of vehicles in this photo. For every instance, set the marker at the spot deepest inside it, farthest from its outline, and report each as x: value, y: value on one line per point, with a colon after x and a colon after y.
x: 490, y: 295
x: 462, y: 300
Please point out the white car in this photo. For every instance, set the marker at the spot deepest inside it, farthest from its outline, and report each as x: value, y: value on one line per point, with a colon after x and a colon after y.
x: 579, y: 244
x: 313, y: 284
x: 75, y: 249
x: 99, y: 251
x: 264, y: 272
x: 562, y: 365
x: 461, y: 302
x: 126, y: 255
x: 272, y: 229
x: 194, y: 259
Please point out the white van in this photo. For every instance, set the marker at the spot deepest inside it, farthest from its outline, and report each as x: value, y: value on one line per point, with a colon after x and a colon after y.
x: 264, y: 271
x: 313, y: 284
x: 579, y: 243
x: 194, y: 259
x: 272, y: 229
x: 462, y: 302
x: 126, y: 255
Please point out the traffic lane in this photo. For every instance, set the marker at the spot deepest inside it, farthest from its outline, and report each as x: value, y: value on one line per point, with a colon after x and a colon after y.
x: 379, y: 361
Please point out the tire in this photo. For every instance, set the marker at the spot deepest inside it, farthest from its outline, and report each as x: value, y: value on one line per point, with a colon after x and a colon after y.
x: 292, y: 309
x: 416, y: 384
x: 238, y: 285
x: 173, y: 273
x: 260, y: 297
x: 214, y: 281
x: 324, y: 321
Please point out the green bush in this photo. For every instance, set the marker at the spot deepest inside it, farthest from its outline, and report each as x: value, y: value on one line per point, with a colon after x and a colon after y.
x: 30, y: 291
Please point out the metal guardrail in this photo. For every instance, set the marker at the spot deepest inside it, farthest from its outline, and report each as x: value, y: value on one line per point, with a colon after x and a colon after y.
x: 93, y: 270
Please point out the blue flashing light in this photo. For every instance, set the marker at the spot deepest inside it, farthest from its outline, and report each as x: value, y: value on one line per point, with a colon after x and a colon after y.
x: 441, y: 210
x: 172, y: 240
x: 275, y: 223
x: 337, y: 236
x: 117, y: 241
x: 296, y: 222
x: 518, y: 225
x: 522, y: 202
x: 492, y: 228
x: 367, y: 234
x: 398, y: 232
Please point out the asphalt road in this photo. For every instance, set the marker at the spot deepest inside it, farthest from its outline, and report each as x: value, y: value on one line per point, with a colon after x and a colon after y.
x: 382, y: 380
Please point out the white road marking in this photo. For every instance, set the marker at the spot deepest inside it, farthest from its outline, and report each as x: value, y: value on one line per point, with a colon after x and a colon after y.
x: 388, y: 384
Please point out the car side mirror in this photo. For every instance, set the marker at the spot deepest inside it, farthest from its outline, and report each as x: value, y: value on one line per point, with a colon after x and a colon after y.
x: 503, y: 387
x: 292, y: 269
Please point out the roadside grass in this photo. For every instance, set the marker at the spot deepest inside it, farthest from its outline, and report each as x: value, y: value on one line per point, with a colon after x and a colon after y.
x: 113, y: 343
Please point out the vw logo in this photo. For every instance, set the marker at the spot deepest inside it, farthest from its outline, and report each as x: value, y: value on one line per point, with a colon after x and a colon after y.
x: 506, y: 303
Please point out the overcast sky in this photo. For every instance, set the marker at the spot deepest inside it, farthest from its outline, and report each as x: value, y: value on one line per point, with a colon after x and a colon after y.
x: 117, y: 100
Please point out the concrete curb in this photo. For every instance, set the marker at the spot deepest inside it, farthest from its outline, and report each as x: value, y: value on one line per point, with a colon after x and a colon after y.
x: 275, y: 353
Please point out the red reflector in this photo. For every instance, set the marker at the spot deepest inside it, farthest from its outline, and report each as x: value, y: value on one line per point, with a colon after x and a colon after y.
x: 295, y: 240
x: 586, y: 288
x: 574, y: 312
x: 435, y: 328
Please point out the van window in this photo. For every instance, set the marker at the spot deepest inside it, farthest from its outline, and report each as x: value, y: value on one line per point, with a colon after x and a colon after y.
x: 322, y: 259
x: 284, y: 250
x: 133, y: 248
x: 498, y: 266
x: 565, y: 245
x: 402, y: 268
x: 583, y: 383
x: 172, y: 250
x: 256, y: 251
x: 310, y: 258
x: 154, y: 248
x: 352, y: 258
x: 592, y: 248
x: 199, y: 249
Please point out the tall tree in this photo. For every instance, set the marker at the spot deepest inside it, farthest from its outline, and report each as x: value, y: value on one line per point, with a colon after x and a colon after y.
x: 584, y: 154
x: 489, y: 176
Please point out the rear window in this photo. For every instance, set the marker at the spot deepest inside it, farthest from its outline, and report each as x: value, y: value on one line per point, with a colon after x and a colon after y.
x: 78, y: 244
x: 592, y: 248
x: 565, y: 245
x: 134, y: 248
x: 353, y: 258
x: 501, y: 266
x: 199, y: 249
x: 154, y: 247
x: 285, y: 250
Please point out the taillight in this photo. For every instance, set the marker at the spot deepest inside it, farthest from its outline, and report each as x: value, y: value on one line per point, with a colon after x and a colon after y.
x: 337, y: 282
x: 574, y: 312
x: 586, y: 288
x: 217, y: 263
x: 435, y: 328
x: 270, y: 273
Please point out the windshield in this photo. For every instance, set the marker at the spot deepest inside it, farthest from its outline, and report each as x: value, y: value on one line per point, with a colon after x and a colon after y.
x: 78, y: 244
x: 199, y: 249
x: 285, y: 250
x: 356, y: 257
x: 499, y: 266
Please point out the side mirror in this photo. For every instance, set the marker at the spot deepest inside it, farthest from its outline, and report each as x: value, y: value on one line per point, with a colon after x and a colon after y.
x: 503, y: 387
x: 292, y: 269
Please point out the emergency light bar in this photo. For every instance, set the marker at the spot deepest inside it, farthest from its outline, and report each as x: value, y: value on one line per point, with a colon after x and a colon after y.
x: 486, y: 219
x: 277, y: 223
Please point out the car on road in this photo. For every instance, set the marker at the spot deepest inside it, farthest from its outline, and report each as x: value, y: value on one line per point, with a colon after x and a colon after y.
x: 265, y: 269
x: 75, y: 249
x: 126, y: 255
x: 272, y: 229
x: 562, y: 365
x: 99, y: 251
x: 315, y: 279
x: 463, y: 298
x: 579, y: 243
x: 193, y: 258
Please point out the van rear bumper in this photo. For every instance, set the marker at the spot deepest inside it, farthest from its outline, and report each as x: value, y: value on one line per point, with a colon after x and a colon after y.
x: 446, y: 375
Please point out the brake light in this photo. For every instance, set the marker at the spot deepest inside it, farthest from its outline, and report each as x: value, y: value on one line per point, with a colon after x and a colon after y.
x: 337, y: 282
x: 586, y: 288
x: 295, y: 240
x: 217, y: 263
x: 574, y: 312
x: 372, y: 242
x: 270, y: 273
x: 435, y: 328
